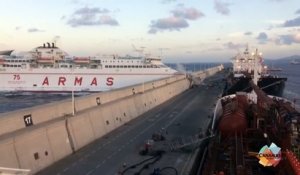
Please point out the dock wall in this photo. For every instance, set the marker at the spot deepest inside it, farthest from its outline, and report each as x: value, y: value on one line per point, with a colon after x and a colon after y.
x: 54, y: 133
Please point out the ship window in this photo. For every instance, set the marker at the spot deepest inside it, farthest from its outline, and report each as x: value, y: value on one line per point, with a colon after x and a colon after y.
x: 125, y: 66
x: 110, y: 66
x: 144, y: 66
x: 106, y: 66
x: 117, y: 66
x: 121, y: 66
x: 136, y: 66
x: 114, y: 66
x: 15, y: 65
x: 140, y: 66
x: 148, y: 66
x: 129, y: 66
x: 19, y: 65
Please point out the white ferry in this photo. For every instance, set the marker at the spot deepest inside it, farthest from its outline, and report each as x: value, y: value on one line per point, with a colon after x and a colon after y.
x: 49, y: 69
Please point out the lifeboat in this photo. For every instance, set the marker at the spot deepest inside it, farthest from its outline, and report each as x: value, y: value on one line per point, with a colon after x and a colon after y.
x: 81, y: 60
x: 45, y: 60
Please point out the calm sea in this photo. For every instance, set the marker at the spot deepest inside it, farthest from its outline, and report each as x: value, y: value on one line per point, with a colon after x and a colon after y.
x: 10, y: 102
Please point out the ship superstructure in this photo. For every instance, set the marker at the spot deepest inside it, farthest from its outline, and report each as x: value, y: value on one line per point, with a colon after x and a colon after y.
x: 48, y: 68
x: 243, y: 71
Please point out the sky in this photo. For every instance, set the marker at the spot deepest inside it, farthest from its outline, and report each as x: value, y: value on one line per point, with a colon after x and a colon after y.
x: 177, y: 30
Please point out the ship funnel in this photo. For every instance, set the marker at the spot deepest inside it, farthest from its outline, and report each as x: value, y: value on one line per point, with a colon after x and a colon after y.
x: 48, y: 45
x: 44, y: 45
x: 53, y: 45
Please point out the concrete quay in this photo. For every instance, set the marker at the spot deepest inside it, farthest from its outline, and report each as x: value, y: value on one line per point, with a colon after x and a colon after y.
x: 182, y: 116
x: 35, y: 138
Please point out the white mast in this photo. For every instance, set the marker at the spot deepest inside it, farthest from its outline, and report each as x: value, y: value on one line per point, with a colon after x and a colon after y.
x: 256, y: 76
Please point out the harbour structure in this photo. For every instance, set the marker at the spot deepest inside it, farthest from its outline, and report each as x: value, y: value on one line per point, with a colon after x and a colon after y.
x: 37, y: 137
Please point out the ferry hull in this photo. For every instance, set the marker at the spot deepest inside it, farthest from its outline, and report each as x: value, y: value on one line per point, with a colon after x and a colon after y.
x: 67, y: 82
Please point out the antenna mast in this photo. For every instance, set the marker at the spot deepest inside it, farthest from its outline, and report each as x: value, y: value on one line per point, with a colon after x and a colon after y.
x: 161, y: 51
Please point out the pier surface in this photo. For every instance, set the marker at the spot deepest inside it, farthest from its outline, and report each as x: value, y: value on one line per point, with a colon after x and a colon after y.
x: 182, y: 116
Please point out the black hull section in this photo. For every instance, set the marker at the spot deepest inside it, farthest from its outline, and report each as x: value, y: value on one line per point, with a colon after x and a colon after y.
x: 270, y: 85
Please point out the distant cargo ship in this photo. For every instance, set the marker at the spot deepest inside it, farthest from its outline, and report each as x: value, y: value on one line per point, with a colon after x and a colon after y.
x: 295, y: 62
x: 243, y: 72
x: 49, y: 69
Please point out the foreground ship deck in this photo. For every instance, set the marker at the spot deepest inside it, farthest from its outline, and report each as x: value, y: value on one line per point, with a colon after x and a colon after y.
x: 253, y: 134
